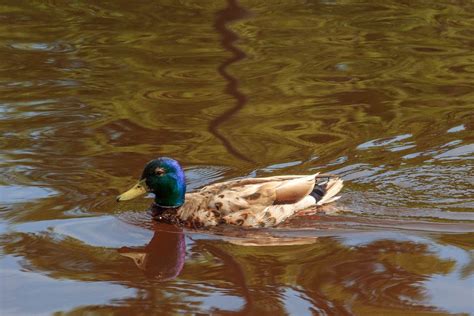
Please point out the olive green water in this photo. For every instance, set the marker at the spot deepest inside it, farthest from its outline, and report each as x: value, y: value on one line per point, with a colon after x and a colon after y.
x: 381, y: 93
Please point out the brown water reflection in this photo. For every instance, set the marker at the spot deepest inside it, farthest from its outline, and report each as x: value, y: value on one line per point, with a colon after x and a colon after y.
x: 359, y: 272
x: 379, y: 93
x: 163, y: 257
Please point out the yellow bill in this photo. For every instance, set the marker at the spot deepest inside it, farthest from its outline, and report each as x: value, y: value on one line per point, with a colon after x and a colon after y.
x: 139, y: 256
x: 137, y: 190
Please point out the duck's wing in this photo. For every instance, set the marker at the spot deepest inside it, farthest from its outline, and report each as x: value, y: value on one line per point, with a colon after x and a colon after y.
x: 250, y: 202
x: 236, y: 195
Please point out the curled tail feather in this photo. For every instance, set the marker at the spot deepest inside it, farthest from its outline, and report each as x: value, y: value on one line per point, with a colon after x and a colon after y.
x: 325, y: 192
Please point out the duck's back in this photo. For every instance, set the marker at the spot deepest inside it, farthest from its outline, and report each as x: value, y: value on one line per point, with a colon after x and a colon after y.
x: 256, y: 202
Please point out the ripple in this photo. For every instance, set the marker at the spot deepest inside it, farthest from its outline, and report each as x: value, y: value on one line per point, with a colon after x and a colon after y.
x: 375, y: 64
x: 430, y: 49
x: 54, y: 47
x: 382, y: 142
x: 360, y: 172
x: 465, y: 152
x: 182, y: 95
x: 429, y: 190
x: 199, y: 176
x: 338, y: 161
x: 401, y: 147
x: 34, y: 84
x: 321, y: 138
x: 199, y: 75
x: 456, y: 129
x: 281, y: 166
x: 21, y: 194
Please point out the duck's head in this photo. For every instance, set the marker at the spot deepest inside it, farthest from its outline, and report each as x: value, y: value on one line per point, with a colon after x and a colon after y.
x: 163, y: 258
x: 165, y: 178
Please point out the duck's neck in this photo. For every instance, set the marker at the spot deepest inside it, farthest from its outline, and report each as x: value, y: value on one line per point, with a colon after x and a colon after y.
x: 174, y: 200
x: 165, y: 214
x: 162, y: 204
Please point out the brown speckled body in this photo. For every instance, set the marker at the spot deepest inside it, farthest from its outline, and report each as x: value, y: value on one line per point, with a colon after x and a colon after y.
x: 256, y: 202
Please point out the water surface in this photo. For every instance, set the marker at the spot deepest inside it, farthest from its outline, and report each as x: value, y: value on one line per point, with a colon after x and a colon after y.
x: 380, y: 93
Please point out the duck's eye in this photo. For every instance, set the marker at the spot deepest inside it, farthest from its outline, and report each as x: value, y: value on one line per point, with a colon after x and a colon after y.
x: 159, y: 171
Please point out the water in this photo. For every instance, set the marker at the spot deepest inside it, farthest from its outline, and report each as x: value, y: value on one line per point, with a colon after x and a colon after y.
x: 379, y: 93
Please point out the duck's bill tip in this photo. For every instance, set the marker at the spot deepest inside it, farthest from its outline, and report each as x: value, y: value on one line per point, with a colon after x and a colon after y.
x: 138, y: 189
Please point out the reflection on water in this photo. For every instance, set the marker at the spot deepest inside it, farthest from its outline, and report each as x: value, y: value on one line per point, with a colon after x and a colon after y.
x: 379, y: 93
x: 163, y: 257
x: 358, y: 272
x: 231, y: 13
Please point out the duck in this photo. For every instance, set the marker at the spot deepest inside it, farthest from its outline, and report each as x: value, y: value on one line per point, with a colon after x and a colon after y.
x: 247, y: 202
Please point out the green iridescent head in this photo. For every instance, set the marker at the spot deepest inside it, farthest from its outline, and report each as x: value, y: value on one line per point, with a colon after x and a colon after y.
x: 165, y: 178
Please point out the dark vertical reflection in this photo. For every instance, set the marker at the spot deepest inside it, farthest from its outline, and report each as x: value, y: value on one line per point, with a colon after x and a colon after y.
x: 233, y: 12
x: 163, y: 257
x: 237, y: 275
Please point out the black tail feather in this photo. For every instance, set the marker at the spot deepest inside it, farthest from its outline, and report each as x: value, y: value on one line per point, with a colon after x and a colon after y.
x: 318, y: 191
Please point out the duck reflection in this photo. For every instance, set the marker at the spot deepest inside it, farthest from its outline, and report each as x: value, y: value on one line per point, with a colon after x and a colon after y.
x: 362, y: 273
x: 163, y: 257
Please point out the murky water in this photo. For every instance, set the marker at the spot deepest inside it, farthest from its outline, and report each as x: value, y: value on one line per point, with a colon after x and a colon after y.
x: 380, y: 93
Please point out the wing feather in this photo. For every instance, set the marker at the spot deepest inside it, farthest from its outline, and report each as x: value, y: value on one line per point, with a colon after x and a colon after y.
x: 292, y: 191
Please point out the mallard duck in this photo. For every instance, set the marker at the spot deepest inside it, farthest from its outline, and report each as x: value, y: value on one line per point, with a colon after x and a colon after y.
x: 250, y: 202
